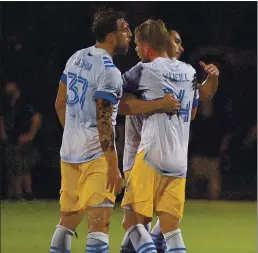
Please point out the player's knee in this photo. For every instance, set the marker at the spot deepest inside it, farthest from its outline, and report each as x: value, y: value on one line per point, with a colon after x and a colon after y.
x: 70, y: 220
x: 126, y: 223
x: 131, y: 218
x: 168, y: 222
x: 147, y: 220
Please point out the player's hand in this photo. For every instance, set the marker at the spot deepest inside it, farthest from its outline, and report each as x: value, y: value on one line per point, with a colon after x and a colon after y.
x: 170, y: 104
x: 114, y: 180
x: 210, y: 69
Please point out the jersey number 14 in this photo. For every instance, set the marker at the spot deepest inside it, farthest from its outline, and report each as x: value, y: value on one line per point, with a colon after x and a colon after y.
x: 183, y: 112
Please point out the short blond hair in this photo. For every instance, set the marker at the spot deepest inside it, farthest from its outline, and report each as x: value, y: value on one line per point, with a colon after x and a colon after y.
x: 154, y: 33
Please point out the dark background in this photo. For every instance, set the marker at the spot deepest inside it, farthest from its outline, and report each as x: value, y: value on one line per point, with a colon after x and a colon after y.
x: 224, y: 33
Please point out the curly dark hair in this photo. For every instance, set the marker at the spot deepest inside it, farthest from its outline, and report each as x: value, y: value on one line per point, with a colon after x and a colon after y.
x: 105, y: 22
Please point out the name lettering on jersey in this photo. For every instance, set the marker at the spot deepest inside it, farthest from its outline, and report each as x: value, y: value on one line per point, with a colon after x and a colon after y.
x: 176, y: 77
x: 83, y: 64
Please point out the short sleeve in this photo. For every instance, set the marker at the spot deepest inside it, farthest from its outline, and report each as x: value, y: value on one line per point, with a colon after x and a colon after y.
x: 195, y: 87
x: 109, y: 85
x: 196, y: 98
x: 131, y: 78
x: 63, y: 77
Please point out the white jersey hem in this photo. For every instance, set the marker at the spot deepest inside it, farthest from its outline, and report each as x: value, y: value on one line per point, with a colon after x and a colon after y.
x: 85, y: 160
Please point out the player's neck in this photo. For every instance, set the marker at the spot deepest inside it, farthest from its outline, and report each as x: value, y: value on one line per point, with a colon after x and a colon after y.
x: 155, y: 55
x: 106, y: 47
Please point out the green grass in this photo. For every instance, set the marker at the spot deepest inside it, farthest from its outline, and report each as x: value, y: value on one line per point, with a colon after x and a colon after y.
x: 208, y: 227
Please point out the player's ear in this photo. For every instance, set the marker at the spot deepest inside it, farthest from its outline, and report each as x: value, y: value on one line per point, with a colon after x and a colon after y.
x: 111, y: 38
x: 146, y: 47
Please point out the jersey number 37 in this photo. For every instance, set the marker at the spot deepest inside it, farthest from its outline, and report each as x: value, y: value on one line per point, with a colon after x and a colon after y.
x: 77, y: 90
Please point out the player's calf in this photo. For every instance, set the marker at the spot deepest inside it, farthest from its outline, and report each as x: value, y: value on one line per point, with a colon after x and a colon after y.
x: 169, y: 225
x: 62, y: 238
x: 158, y: 238
x: 127, y: 246
x: 141, y: 240
x: 98, y: 229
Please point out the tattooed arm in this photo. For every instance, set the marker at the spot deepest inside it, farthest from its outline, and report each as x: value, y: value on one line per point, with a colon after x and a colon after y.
x: 105, y: 127
x: 107, y: 140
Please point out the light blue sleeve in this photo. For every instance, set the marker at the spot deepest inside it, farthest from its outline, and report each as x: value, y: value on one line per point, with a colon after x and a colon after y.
x: 64, y: 75
x: 196, y: 93
x: 131, y: 78
x: 196, y: 99
x: 109, y: 85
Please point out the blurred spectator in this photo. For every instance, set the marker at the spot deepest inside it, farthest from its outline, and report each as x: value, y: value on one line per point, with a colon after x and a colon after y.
x: 20, y: 123
x: 251, y: 137
x: 205, y: 144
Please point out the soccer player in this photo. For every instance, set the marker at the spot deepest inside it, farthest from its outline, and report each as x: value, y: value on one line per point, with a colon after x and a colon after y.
x: 134, y: 124
x: 206, y: 92
x: 89, y: 91
x: 157, y: 180
x: 209, y: 87
x: 86, y: 104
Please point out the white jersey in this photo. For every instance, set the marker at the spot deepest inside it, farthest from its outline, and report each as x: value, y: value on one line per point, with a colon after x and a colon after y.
x: 133, y: 124
x: 89, y: 74
x: 133, y: 127
x: 164, y: 138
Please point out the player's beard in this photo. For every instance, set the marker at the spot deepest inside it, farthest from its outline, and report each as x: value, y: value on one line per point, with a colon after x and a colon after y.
x: 121, y: 49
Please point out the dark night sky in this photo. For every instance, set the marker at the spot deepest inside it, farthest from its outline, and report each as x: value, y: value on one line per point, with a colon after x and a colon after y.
x: 55, y: 30
x: 226, y: 23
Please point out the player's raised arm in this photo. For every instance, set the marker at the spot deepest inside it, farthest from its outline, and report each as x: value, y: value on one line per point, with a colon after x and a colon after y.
x: 209, y: 87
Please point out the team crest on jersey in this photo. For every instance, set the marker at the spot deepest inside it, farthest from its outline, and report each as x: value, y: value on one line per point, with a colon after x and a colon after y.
x: 110, y: 87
